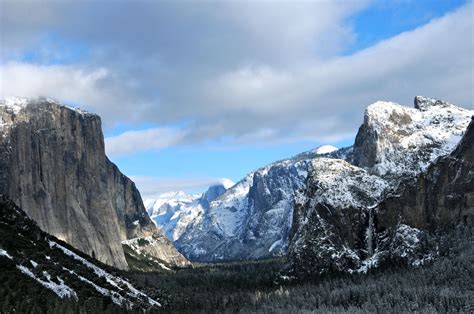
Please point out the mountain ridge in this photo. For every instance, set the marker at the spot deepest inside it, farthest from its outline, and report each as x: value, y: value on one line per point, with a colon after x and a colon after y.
x: 253, y: 218
x: 426, y: 188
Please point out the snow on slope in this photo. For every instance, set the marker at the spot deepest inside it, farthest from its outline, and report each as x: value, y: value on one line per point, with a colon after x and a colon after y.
x: 62, y: 290
x: 337, y: 213
x: 111, y: 279
x: 399, y: 141
x: 341, y: 184
x: 58, y: 267
x: 5, y: 253
x: 326, y: 210
x: 252, y: 219
x: 174, y: 211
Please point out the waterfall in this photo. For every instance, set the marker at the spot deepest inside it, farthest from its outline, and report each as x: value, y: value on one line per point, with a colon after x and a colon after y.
x: 369, y: 235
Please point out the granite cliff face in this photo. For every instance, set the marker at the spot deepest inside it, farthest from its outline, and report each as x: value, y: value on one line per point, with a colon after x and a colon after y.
x: 404, y: 182
x: 53, y: 164
x: 438, y: 198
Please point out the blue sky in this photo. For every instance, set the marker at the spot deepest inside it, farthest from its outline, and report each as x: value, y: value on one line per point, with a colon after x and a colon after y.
x: 384, y: 19
x: 191, y: 92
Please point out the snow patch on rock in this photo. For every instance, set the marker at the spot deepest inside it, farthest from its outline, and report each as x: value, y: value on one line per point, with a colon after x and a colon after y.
x: 325, y: 149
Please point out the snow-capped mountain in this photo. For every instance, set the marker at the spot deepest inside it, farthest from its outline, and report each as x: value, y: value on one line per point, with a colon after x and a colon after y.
x: 252, y: 219
x: 397, y: 141
x: 174, y: 211
x: 163, y: 209
x: 353, y: 217
x: 167, y: 200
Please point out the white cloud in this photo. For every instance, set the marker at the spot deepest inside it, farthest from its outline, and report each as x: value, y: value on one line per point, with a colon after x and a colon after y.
x: 243, y: 73
x: 131, y: 142
x: 98, y: 89
x: 152, y: 187
x: 65, y: 82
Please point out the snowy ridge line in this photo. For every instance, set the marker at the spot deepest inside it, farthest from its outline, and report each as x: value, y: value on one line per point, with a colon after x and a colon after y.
x: 113, y: 280
x: 325, y: 149
x: 16, y: 104
x: 409, y: 139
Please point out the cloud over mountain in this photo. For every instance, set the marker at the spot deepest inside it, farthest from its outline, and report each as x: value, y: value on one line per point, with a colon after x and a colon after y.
x: 242, y: 72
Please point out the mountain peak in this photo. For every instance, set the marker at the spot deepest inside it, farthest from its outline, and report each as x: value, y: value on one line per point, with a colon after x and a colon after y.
x: 431, y: 129
x: 325, y: 149
x: 215, y: 190
x: 226, y: 183
x: 425, y: 103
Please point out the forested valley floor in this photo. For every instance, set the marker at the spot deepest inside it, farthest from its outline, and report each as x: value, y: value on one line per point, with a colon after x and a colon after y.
x: 445, y: 285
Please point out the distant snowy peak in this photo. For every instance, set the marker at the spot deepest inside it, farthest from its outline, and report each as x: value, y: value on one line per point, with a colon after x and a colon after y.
x: 325, y: 149
x: 167, y: 201
x: 171, y: 201
x: 175, y: 195
x: 174, y: 211
x: 226, y: 183
x: 175, y: 198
